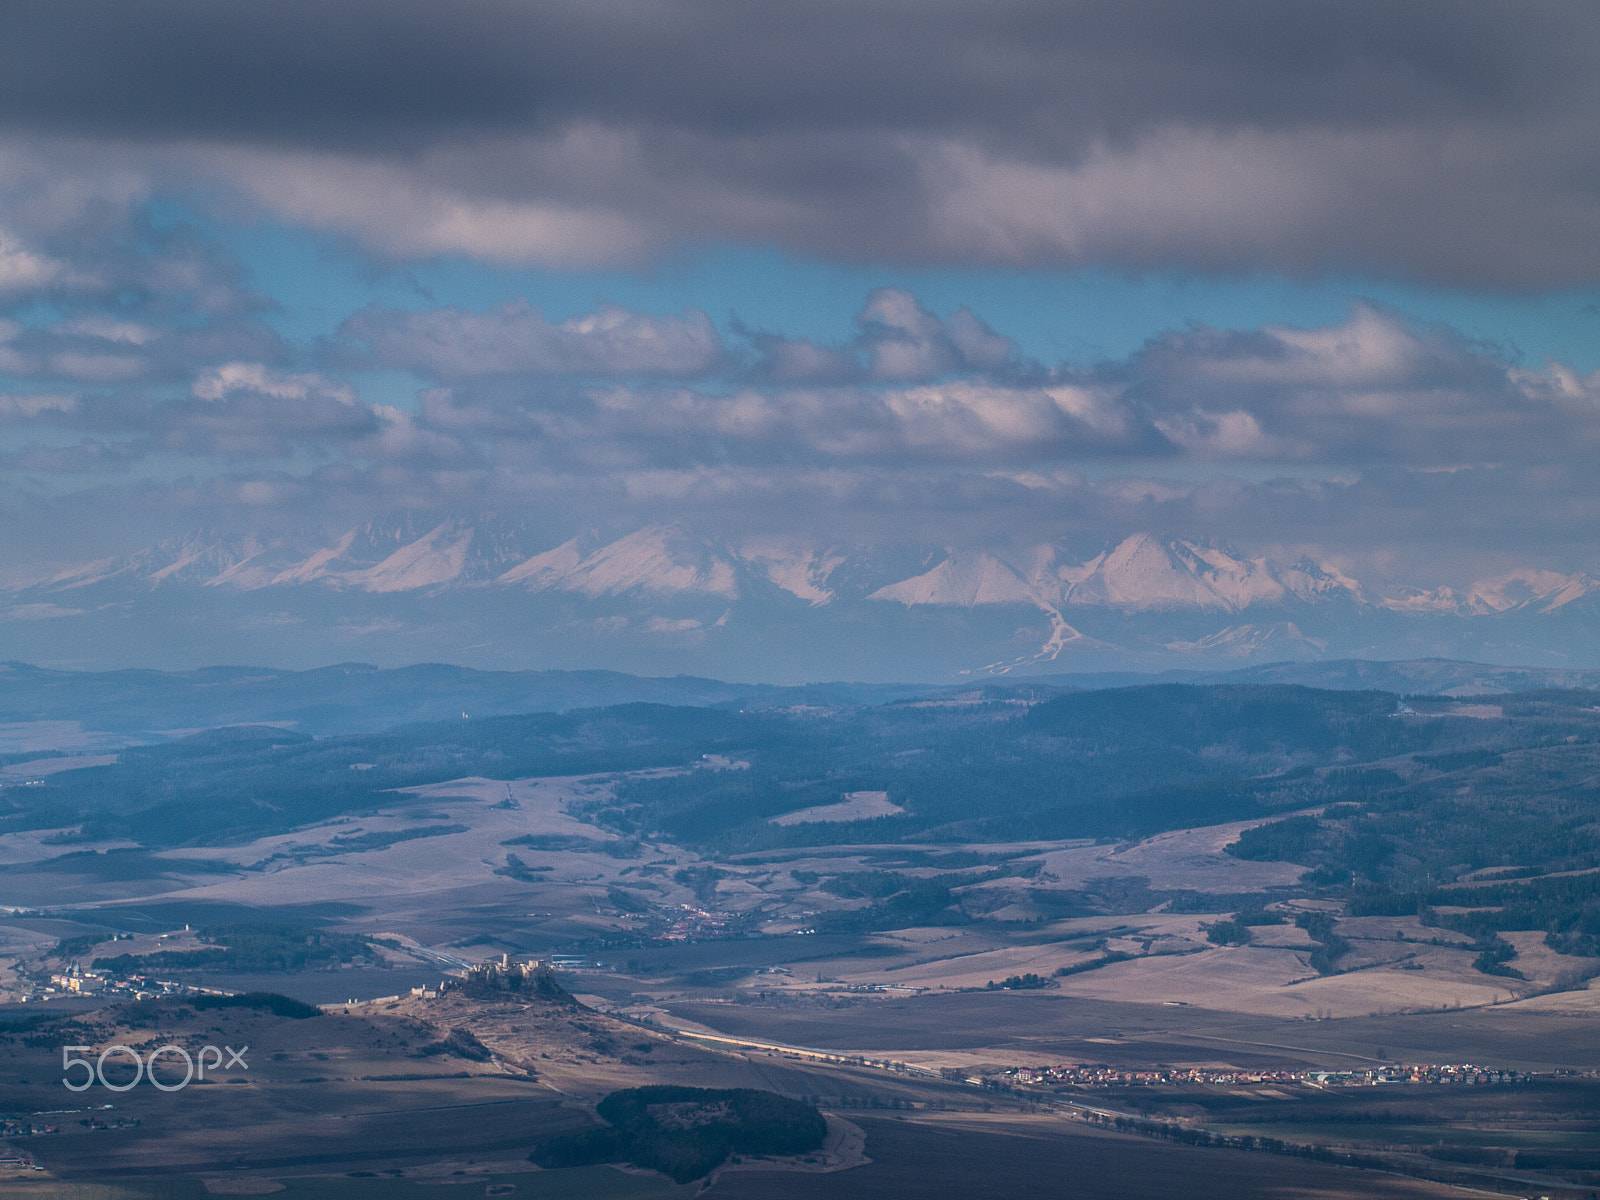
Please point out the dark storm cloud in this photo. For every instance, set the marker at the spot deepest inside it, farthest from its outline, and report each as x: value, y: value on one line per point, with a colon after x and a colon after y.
x: 1450, y: 142
x: 1057, y: 74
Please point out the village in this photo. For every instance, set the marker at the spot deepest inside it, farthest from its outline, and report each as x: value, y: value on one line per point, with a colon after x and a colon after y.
x: 79, y: 981
x: 1096, y: 1076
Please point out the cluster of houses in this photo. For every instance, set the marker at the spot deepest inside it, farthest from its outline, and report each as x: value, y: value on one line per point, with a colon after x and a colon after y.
x: 1093, y: 1075
x: 690, y: 924
x: 79, y: 982
x: 76, y: 981
x: 15, y: 1160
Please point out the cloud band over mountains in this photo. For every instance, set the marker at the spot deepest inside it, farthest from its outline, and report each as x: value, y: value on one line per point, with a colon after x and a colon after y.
x: 1446, y: 142
x: 1351, y: 436
x: 148, y: 386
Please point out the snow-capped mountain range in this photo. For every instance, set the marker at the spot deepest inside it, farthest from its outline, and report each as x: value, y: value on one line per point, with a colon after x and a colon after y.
x: 1140, y: 574
x: 664, y: 589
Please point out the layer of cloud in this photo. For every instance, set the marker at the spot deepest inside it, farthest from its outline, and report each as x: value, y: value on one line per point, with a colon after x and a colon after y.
x: 140, y: 379
x: 516, y: 339
x: 1445, y: 142
x: 615, y: 390
x: 914, y: 387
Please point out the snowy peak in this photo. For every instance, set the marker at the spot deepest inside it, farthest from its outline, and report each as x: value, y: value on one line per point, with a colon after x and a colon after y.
x: 197, y: 558
x: 1544, y: 590
x: 1312, y: 581
x: 1186, y: 597
x: 800, y: 571
x: 387, y: 556
x: 200, y: 558
x: 962, y: 581
x: 548, y: 569
x: 658, y: 559
x: 1140, y: 574
x: 1516, y: 591
x: 322, y: 564
x: 1144, y: 574
x: 435, y: 558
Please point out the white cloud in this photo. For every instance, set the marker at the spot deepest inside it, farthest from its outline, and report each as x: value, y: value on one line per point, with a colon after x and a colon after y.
x: 94, y: 368
x: 428, y: 206
x: 22, y: 407
x: 1229, y: 436
x: 109, y: 329
x: 672, y: 625
x: 39, y: 612
x: 516, y: 337
x: 235, y: 377
x: 23, y: 270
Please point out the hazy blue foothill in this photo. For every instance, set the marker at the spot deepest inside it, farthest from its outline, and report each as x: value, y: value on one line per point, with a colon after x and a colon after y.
x: 357, y: 697
x: 42, y: 709
x: 1114, y: 763
x: 1106, y: 763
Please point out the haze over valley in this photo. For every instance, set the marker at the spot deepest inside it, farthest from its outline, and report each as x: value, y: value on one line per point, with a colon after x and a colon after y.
x: 1016, y: 901
x: 664, y: 600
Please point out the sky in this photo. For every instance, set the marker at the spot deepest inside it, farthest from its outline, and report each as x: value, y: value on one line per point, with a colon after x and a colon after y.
x: 1316, y: 278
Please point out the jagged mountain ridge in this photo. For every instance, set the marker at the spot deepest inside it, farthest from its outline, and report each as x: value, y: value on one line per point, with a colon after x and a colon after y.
x: 665, y: 598
x: 1141, y: 573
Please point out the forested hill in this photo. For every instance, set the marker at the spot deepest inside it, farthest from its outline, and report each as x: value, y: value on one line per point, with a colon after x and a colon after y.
x: 1434, y: 785
x: 44, y: 708
x: 359, y: 698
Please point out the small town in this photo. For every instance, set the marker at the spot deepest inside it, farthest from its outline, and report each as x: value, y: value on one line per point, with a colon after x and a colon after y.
x: 1089, y: 1075
x: 78, y: 981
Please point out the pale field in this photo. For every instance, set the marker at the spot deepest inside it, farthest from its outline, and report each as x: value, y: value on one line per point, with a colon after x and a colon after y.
x: 29, y: 846
x: 1274, y: 982
x: 1282, y: 937
x: 542, y: 801
x: 427, y: 874
x: 1537, y: 961
x: 856, y: 806
x: 1409, y: 927
x: 39, y: 737
x: 1189, y: 858
x: 977, y: 1062
x: 440, y: 890
x: 963, y: 966
x: 40, y: 767
x: 1583, y: 1001
x: 416, y: 877
x: 1271, y: 976
x: 1483, y: 712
